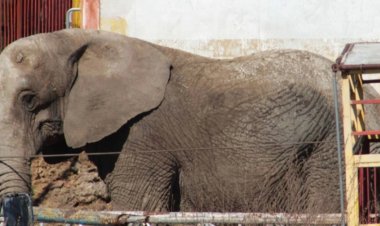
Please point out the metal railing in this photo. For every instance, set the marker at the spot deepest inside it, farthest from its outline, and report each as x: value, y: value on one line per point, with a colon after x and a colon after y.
x: 49, y: 215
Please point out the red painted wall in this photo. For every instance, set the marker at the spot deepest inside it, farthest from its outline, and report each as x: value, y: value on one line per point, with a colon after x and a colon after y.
x: 20, y: 18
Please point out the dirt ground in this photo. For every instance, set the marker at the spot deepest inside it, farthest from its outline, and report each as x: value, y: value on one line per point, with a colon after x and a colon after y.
x: 73, y: 183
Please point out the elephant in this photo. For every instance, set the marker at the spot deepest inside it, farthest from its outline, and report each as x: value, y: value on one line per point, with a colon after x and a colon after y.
x: 253, y: 133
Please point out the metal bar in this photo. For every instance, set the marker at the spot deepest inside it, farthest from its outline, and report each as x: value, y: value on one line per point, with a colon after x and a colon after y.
x: 119, y: 217
x: 367, y: 132
x: 367, y: 81
x: 368, y: 160
x: 11, y: 24
x: 361, y: 193
x: 6, y: 18
x: 375, y: 194
x: 339, y: 148
x: 2, y: 26
x: 36, y: 17
x: 368, y: 196
x: 25, y: 17
x: 19, y: 19
x: 69, y: 15
x: 42, y: 16
x: 373, y: 101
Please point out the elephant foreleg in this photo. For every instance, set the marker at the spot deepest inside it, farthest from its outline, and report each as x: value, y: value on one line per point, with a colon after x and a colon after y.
x: 142, y: 181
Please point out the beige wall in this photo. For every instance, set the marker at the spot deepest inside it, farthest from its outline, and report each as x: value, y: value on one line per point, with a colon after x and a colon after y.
x: 227, y: 28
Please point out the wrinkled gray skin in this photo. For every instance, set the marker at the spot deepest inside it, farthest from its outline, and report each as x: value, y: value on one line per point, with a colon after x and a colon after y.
x: 196, y: 134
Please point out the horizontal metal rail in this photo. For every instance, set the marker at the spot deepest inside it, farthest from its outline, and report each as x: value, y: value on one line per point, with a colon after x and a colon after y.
x: 48, y: 215
x: 366, y: 133
x: 374, y: 101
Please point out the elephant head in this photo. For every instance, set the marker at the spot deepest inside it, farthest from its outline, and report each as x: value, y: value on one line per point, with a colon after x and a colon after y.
x: 83, y: 84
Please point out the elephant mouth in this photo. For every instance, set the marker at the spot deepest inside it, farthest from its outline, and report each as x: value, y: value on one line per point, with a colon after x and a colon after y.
x: 50, y: 132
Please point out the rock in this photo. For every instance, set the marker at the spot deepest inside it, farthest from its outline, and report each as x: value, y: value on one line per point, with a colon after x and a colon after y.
x: 73, y: 183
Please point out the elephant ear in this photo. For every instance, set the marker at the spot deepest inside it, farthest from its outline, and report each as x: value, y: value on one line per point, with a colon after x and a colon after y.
x: 117, y: 79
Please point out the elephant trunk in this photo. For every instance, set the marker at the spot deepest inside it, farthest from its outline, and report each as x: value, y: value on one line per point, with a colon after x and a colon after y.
x: 14, y: 175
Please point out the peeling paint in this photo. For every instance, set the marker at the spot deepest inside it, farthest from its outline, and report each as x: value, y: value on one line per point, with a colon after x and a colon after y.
x: 117, y: 25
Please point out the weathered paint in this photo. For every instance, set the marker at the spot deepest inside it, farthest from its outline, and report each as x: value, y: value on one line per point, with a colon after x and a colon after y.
x: 90, y: 14
x: 76, y: 17
x: 117, y: 25
x: 228, y: 48
x: 219, y: 28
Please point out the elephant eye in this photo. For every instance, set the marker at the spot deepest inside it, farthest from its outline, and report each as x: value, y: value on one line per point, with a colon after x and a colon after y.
x: 29, y: 100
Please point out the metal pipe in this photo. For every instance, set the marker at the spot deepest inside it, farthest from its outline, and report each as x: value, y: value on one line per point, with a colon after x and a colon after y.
x: 119, y: 217
x: 339, y: 148
x: 69, y: 14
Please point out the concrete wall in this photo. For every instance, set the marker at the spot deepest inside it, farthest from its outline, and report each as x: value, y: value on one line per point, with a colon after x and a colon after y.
x: 228, y: 28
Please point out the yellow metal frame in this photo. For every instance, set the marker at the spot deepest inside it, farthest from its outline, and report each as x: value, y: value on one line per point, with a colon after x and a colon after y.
x: 350, y: 122
x: 353, y: 120
x: 76, y: 20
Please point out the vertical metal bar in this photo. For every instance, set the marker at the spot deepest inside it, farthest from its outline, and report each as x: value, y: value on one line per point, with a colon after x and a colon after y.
x: 49, y: 13
x: 339, y: 148
x: 14, y: 11
x: 32, y: 17
x: 20, y: 17
x: 60, y: 17
x: 56, y: 14
x: 10, y: 27
x: 37, y: 16
x: 25, y: 16
x: 368, y: 196
x: 44, y: 23
x: 11, y: 22
x: 375, y: 194
x: 6, y: 25
x: 46, y: 15
x: 1, y: 26
x: 8, y: 21
x: 14, y: 24
x: 376, y: 213
x: 53, y: 13
x: 361, y: 193
x: 60, y: 14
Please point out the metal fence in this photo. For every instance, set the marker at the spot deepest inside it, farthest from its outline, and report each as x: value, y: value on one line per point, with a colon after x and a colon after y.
x: 20, y: 18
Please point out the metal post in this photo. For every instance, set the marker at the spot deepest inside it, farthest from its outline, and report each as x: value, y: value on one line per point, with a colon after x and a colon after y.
x: 339, y: 147
x: 69, y: 14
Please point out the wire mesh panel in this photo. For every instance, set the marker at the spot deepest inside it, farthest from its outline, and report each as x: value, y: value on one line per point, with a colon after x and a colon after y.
x: 20, y: 18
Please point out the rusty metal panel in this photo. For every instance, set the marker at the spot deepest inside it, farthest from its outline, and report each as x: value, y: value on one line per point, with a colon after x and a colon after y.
x: 21, y: 18
x: 361, y: 56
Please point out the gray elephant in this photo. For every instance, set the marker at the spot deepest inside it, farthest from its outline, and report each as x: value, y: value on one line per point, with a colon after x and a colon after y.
x: 254, y: 133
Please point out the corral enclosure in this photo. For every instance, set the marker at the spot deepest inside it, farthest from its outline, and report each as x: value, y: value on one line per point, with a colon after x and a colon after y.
x: 224, y: 28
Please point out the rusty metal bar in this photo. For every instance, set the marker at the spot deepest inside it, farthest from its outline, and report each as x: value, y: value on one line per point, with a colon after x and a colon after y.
x: 373, y: 101
x: 6, y: 18
x: 364, y: 133
x: 368, y: 220
x: 119, y: 217
x: 19, y: 19
x: 375, y: 193
x: 1, y: 26
x: 11, y: 21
